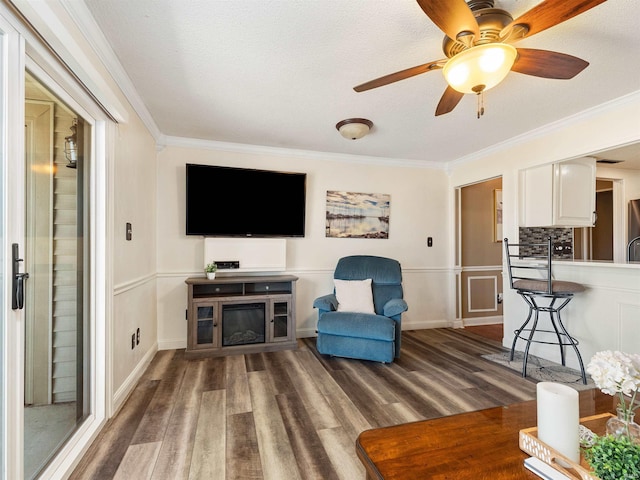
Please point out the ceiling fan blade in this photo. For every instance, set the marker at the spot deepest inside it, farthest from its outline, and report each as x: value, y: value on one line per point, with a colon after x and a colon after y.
x: 451, y: 16
x: 449, y: 100
x: 548, y: 14
x: 401, y: 75
x: 547, y: 64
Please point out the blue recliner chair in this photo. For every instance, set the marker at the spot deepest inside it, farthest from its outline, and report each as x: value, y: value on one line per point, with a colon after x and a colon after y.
x: 368, y: 336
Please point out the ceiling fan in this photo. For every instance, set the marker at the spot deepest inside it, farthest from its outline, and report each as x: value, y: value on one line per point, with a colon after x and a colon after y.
x: 478, y: 48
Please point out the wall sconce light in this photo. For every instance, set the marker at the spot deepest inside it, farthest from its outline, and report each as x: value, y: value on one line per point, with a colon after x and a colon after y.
x: 71, y: 145
x: 354, y: 128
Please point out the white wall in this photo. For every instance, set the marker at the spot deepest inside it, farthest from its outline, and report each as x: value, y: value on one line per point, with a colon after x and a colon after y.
x: 612, y: 302
x: 134, y: 261
x: 419, y: 209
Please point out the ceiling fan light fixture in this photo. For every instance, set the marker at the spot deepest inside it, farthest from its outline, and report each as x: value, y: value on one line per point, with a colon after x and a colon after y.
x: 479, y: 68
x: 354, y: 128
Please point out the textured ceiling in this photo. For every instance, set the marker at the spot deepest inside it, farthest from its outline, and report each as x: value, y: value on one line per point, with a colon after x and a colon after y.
x: 280, y: 73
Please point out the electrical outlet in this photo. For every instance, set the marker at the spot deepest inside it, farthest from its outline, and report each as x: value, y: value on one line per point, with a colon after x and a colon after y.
x: 133, y: 341
x: 138, y: 336
x: 429, y: 241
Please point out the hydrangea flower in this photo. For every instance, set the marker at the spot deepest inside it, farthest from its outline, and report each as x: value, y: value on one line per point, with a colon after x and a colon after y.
x: 617, y: 373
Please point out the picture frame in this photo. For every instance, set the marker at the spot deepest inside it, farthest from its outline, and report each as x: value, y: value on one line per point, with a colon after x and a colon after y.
x: 357, y: 215
x: 497, y: 215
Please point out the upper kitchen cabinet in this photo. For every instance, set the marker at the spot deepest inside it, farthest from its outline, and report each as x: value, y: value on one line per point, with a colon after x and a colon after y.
x: 559, y: 195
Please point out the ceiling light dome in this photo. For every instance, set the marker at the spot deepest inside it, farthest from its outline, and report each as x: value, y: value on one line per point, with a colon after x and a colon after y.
x: 479, y: 68
x: 354, y: 128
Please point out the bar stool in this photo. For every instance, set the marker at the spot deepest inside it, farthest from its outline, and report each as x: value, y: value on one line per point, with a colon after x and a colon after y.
x: 532, y: 279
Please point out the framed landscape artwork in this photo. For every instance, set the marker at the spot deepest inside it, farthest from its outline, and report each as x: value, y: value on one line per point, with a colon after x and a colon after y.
x: 357, y: 215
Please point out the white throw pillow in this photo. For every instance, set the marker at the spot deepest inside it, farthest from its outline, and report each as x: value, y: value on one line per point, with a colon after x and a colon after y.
x: 354, y: 296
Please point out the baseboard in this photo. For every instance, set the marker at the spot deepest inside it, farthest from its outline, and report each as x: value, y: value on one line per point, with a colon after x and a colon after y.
x: 311, y: 332
x: 129, y: 384
x: 306, y: 333
x: 472, y: 322
x: 172, y: 344
x: 424, y: 324
x: 177, y: 343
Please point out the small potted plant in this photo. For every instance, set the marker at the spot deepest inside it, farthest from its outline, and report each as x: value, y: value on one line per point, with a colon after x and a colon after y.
x: 210, y: 269
x: 614, y: 458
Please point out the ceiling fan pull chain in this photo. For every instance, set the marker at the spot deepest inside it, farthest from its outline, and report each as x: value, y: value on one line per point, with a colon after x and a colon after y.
x: 480, y: 96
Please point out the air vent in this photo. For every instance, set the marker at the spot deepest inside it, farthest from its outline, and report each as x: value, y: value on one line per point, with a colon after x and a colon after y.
x: 609, y: 162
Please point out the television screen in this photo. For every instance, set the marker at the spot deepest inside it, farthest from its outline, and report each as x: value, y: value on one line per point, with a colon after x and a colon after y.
x: 232, y: 202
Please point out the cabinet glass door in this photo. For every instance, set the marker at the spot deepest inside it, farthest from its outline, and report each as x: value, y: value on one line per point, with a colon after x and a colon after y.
x: 280, y: 320
x: 206, y: 323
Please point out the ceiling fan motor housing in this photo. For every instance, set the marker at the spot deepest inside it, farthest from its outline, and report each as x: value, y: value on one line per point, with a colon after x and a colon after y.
x: 490, y: 20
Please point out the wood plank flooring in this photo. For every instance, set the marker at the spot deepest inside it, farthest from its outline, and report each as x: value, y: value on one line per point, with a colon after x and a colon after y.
x: 292, y: 414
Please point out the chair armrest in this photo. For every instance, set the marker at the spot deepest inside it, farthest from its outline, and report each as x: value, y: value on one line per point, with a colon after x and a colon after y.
x: 328, y: 303
x: 395, y: 306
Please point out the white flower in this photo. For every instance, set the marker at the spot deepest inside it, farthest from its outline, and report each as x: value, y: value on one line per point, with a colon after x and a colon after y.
x: 615, y: 372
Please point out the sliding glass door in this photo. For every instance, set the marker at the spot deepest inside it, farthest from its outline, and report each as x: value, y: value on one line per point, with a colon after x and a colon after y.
x: 54, y: 361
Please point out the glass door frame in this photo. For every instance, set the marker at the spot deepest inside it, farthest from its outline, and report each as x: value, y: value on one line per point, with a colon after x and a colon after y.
x: 13, y: 57
x: 22, y: 51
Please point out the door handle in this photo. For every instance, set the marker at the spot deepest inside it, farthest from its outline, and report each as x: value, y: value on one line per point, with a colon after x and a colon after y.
x: 17, y: 292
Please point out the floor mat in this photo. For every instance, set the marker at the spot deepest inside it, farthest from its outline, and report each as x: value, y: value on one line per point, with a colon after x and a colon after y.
x: 542, y: 370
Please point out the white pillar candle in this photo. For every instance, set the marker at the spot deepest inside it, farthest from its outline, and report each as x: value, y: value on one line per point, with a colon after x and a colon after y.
x: 559, y: 418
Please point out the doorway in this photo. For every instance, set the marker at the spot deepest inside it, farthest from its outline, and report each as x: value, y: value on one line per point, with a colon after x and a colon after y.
x: 479, y: 257
x: 54, y: 360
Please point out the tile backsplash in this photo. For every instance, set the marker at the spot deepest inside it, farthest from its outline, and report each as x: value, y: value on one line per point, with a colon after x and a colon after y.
x: 562, y: 239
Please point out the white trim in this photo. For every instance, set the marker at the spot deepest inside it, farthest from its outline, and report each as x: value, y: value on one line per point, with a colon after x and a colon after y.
x: 183, y: 142
x: 552, y: 127
x: 92, y: 33
x: 495, y: 295
x: 476, y: 321
x: 482, y: 268
x: 172, y: 344
x: 107, y: 214
x: 56, y: 33
x: 12, y: 103
x: 130, y: 382
x: 301, y: 271
x: 406, y: 325
x: 133, y: 284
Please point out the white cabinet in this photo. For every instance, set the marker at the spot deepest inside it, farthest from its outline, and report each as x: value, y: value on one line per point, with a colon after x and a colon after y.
x: 559, y: 195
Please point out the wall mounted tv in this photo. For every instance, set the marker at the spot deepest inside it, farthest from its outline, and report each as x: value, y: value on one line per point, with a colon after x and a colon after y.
x: 240, y: 202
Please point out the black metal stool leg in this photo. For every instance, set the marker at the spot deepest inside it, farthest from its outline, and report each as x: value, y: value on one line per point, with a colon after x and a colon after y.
x: 525, y: 358
x: 551, y: 311
x: 519, y: 331
x: 573, y: 343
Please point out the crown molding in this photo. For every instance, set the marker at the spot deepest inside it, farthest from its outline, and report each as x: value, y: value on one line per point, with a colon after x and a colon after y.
x: 184, y: 142
x: 603, y: 108
x: 49, y: 26
x: 87, y: 25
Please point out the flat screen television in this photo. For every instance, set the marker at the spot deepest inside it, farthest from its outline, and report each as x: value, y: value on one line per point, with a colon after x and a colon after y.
x: 241, y: 202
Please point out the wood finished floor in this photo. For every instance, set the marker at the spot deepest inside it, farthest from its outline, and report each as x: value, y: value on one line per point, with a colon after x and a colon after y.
x: 290, y: 415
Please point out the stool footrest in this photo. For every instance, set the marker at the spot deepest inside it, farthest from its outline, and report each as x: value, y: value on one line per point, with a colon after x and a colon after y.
x: 570, y: 340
